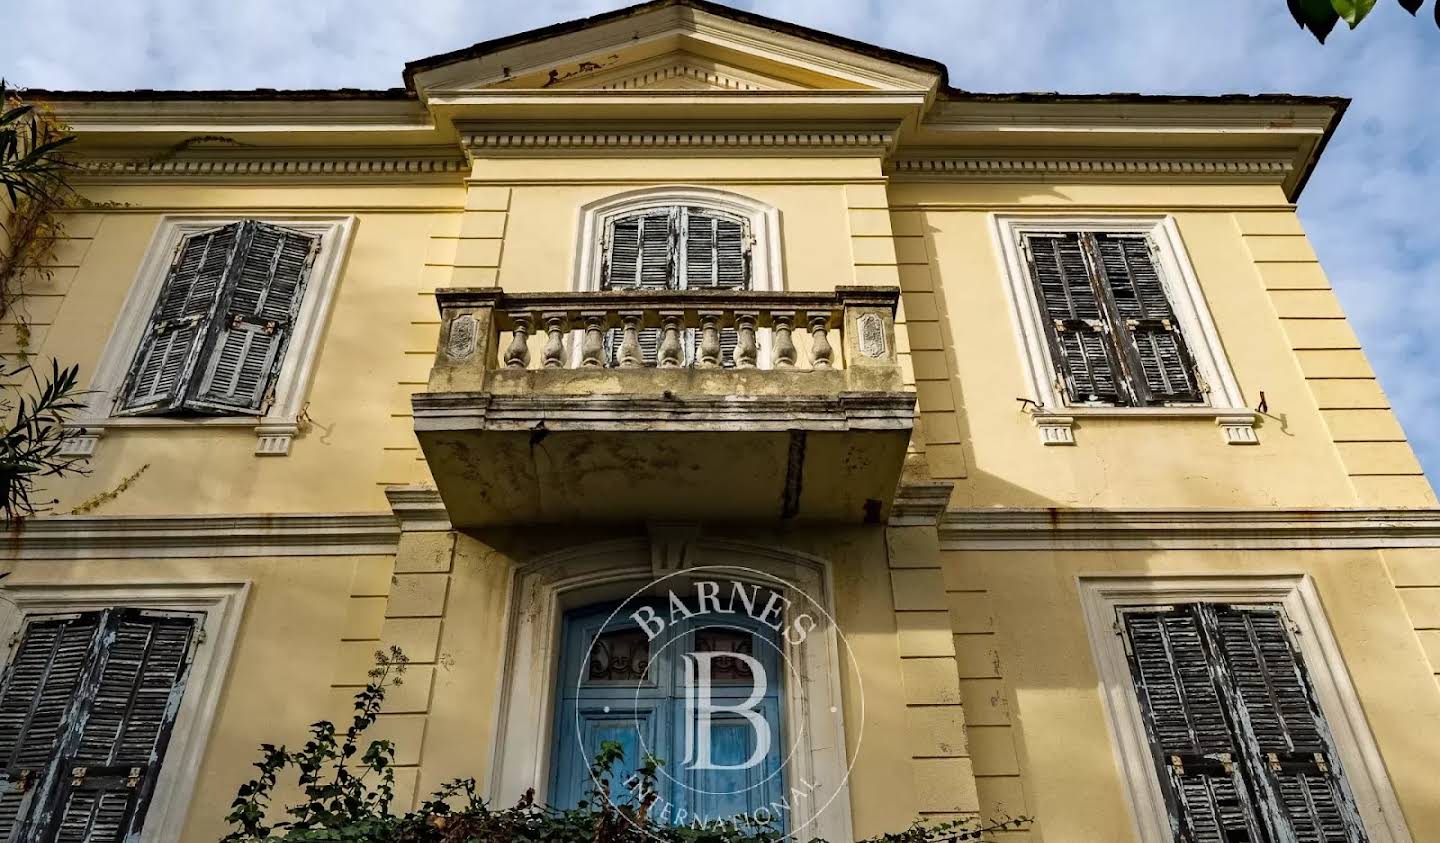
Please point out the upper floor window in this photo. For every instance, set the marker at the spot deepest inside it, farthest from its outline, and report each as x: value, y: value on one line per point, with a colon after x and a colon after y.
x: 676, y: 248
x: 1111, y: 315
x: 222, y: 322
x: 86, y: 710
x: 221, y: 327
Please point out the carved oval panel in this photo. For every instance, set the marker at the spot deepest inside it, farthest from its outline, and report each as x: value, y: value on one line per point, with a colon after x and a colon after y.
x: 461, y: 343
x: 872, y: 336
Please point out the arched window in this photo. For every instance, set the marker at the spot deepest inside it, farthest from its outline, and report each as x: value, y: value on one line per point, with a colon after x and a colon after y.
x: 682, y: 238
x: 700, y: 693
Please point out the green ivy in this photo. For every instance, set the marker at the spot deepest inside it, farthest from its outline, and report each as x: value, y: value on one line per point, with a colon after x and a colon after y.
x: 348, y: 793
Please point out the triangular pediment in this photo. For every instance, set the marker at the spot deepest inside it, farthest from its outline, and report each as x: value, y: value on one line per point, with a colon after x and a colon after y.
x: 673, y: 45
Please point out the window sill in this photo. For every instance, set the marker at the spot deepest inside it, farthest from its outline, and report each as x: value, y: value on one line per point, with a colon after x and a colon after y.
x: 1237, y: 426
x: 273, y: 436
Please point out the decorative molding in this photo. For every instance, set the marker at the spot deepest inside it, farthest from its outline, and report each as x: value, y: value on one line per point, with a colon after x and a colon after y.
x: 1359, y: 757
x: 569, y: 142
x: 223, y: 607
x: 1187, y: 529
x: 1020, y: 166
x: 920, y: 503
x: 1055, y: 430
x: 708, y: 76
x: 200, y: 536
x: 233, y: 167
x: 273, y: 440
x: 418, y: 508
x: 1238, y: 430
x: 81, y: 442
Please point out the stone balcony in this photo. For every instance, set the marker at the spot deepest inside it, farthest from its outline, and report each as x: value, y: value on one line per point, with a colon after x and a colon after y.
x: 665, y: 405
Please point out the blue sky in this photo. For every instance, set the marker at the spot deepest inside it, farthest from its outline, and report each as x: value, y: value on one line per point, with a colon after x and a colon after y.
x: 1373, y: 208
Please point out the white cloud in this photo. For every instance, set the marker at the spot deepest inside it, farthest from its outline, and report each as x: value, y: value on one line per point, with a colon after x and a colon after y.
x: 1370, y: 209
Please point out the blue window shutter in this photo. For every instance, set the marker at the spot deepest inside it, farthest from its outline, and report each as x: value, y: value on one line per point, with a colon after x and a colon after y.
x: 615, y: 692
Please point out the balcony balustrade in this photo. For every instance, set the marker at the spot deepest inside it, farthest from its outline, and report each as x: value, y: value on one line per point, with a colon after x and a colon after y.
x: 633, y: 405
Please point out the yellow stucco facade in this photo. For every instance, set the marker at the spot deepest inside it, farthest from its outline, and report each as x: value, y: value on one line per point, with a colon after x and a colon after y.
x: 967, y: 594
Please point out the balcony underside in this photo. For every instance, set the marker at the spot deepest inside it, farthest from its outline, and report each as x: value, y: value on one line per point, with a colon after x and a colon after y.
x: 663, y: 454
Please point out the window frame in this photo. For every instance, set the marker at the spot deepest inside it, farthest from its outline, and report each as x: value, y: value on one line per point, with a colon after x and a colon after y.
x: 277, y: 426
x: 1181, y: 285
x: 1364, y: 769
x: 766, y: 266
x: 222, y: 604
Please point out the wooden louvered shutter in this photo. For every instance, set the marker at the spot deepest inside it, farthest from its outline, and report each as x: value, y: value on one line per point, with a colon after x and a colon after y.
x: 1284, y: 731
x: 256, y: 319
x: 40, y: 687
x: 108, y: 773
x: 641, y: 254
x: 178, y: 327
x: 716, y: 256
x: 1162, y: 370
x: 1075, y: 324
x: 1195, y: 752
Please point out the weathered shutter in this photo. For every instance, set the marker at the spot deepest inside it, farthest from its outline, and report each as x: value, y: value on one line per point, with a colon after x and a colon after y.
x: 717, y: 251
x: 256, y: 319
x: 641, y: 254
x: 1285, y: 733
x: 41, y: 684
x: 1191, y: 739
x: 179, y: 324
x: 1074, y: 322
x: 1163, y: 370
x: 717, y: 256
x: 107, y: 779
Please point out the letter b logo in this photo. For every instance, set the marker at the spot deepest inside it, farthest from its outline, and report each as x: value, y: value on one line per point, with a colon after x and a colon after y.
x: 700, y: 709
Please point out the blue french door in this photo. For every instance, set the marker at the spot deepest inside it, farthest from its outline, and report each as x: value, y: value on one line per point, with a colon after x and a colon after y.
x: 617, y: 684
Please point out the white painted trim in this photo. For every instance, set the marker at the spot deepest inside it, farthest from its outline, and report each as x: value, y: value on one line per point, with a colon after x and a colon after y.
x: 298, y: 368
x: 1003, y: 528
x: 201, y: 536
x: 223, y: 605
x: 1181, y: 283
x: 545, y: 588
x: 1359, y: 757
x: 766, y: 264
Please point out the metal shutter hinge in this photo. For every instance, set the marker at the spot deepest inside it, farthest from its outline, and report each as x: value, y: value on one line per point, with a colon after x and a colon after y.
x: 200, y: 636
x: 132, y: 781
x: 1274, y: 760
x: 22, y: 784
x: 1321, y: 762
x: 77, y: 776
x: 1177, y: 765
x: 1227, y: 762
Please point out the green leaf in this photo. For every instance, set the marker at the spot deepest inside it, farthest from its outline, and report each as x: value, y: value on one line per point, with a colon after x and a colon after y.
x: 1353, y: 11
x: 1318, y: 16
x: 1411, y: 6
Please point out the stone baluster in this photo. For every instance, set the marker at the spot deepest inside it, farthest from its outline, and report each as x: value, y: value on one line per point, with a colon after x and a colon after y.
x: 745, y: 348
x: 820, y: 351
x: 672, y: 355
x: 630, y: 354
x: 555, y: 327
x: 782, y: 344
x: 517, y: 356
x: 709, y: 356
x: 592, y: 347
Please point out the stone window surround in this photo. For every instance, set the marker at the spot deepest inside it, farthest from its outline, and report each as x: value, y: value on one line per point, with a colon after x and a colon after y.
x: 545, y: 588
x: 221, y: 603
x: 275, y: 429
x: 1055, y: 419
x: 1364, y: 768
